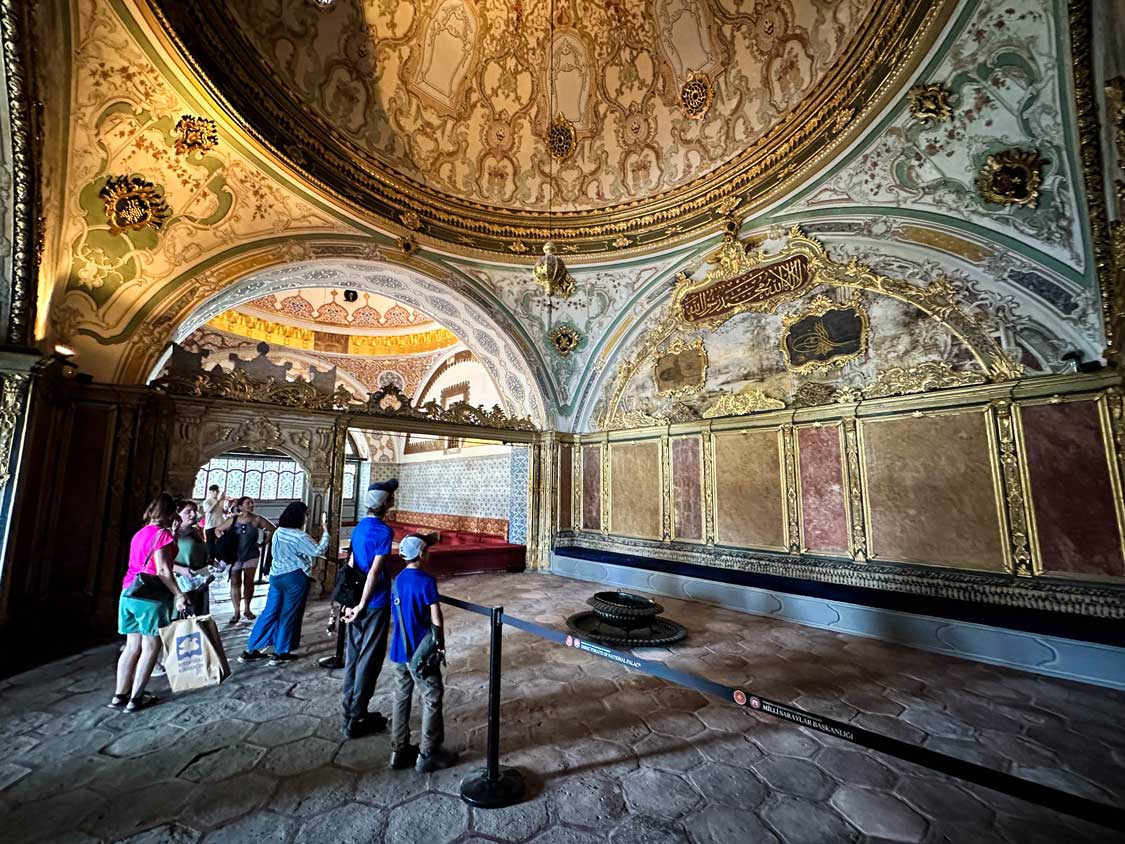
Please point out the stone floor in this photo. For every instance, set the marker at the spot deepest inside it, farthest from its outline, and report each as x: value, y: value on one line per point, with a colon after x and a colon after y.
x: 610, y: 755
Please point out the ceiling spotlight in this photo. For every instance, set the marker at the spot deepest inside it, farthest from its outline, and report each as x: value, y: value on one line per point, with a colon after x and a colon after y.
x: 351, y: 295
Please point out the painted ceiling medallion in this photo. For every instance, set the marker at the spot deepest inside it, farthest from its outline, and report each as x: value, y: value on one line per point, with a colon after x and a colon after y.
x: 562, y: 138
x: 551, y: 273
x: 929, y: 103
x: 565, y: 339
x: 196, y: 134
x: 1012, y: 177
x: 696, y: 95
x: 132, y: 204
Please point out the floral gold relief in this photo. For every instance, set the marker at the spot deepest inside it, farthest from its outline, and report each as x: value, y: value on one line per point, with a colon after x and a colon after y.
x: 1012, y: 177
x: 132, y: 204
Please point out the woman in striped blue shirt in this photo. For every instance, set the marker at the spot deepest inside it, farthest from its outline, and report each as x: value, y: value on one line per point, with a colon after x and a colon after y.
x: 293, y: 554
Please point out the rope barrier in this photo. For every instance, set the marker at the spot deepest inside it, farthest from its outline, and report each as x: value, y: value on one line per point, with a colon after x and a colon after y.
x: 1074, y: 805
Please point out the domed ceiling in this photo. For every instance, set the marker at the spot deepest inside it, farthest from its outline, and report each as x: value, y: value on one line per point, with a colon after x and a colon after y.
x: 435, y: 114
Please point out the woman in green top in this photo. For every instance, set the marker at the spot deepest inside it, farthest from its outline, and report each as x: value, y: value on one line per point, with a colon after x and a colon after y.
x: 191, y: 559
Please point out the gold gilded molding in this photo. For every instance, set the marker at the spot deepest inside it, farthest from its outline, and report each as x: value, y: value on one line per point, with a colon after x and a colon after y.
x: 203, y: 35
x: 929, y: 102
x: 195, y: 134
x: 666, y: 504
x: 708, y: 488
x: 937, y: 299
x: 13, y: 401
x: 790, y: 484
x: 607, y: 504
x: 855, y: 499
x: 676, y: 348
x: 305, y: 339
x: 1012, y: 177
x: 393, y: 345
x: 132, y: 204
x: 742, y: 403
x: 635, y: 418
x: 1111, y: 413
x: 1012, y: 488
x: 931, y: 375
x: 820, y: 306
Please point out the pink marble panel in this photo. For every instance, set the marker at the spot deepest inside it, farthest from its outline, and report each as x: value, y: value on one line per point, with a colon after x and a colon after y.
x: 592, y: 487
x: 823, y: 514
x: 1070, y: 489
x: 687, y: 488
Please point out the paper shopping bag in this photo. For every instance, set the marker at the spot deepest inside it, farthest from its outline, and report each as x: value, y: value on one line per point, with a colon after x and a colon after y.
x: 193, y: 653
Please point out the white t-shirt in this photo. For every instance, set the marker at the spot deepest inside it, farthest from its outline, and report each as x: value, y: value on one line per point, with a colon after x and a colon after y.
x: 212, y: 511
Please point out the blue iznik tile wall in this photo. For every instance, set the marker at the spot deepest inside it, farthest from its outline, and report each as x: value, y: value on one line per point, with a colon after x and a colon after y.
x: 517, y: 498
x: 472, y: 486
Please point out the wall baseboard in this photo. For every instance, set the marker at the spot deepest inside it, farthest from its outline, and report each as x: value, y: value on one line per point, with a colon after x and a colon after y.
x: 1085, y: 662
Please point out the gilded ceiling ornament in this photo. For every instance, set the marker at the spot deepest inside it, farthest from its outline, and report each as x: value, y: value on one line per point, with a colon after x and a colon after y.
x: 551, y: 273
x: 196, y: 134
x: 636, y: 418
x: 620, y: 242
x: 407, y: 246
x: 931, y: 375
x: 565, y: 339
x: 739, y: 404
x: 696, y: 95
x: 517, y: 246
x: 929, y: 102
x: 562, y: 138
x: 826, y: 334
x: 410, y: 220
x: 132, y: 204
x: 813, y: 393
x: 842, y: 119
x: 1012, y: 177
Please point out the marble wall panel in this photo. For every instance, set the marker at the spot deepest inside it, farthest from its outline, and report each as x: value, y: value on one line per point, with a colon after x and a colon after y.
x: 687, y: 488
x: 748, y: 495
x: 931, y: 496
x: 566, y: 486
x: 824, y: 516
x: 592, y: 487
x: 1071, y: 492
x: 635, y: 489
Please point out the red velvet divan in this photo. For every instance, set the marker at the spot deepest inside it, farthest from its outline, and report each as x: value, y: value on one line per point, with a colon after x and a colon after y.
x: 462, y: 551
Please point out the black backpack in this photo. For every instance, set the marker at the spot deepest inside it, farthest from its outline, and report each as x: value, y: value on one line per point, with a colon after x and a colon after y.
x: 226, y: 546
x: 348, y: 588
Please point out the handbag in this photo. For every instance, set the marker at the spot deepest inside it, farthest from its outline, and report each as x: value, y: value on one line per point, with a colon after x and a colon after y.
x: 226, y: 546
x: 193, y: 653
x: 148, y: 587
x: 429, y: 656
x: 348, y: 588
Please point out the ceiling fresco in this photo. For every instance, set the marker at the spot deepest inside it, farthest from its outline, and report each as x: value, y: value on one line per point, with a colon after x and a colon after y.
x: 433, y: 114
x: 173, y: 209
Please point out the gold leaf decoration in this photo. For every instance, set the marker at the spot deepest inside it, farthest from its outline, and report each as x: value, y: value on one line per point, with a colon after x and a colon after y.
x: 1012, y: 177
x: 739, y: 404
x: 196, y: 134
x: 931, y: 375
x: 929, y: 102
x: 562, y: 138
x: 696, y: 95
x: 565, y: 339
x: 132, y: 204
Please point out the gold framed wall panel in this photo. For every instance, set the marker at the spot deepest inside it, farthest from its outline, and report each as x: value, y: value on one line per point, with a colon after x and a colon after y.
x: 1104, y: 407
x: 703, y: 443
x: 900, y: 492
x: 842, y: 460
x: 750, y: 508
x: 636, y: 484
x: 564, y: 486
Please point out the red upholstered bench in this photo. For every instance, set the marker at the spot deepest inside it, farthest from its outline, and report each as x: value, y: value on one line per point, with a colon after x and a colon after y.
x: 463, y: 552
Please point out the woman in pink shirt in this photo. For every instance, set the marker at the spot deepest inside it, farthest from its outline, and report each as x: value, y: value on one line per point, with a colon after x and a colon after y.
x: 152, y: 551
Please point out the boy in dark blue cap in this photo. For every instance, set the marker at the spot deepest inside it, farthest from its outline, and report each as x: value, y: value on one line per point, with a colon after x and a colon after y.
x: 368, y: 621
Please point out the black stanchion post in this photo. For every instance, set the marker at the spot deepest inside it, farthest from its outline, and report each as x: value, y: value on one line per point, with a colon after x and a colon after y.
x: 494, y: 787
x: 337, y: 659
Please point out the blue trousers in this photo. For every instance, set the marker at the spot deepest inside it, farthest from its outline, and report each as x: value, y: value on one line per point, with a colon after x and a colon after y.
x: 280, y: 622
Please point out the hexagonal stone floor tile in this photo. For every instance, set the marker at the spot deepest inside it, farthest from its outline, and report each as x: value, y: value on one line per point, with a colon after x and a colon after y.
x: 800, y: 821
x: 660, y: 793
x: 727, y: 825
x: 299, y: 756
x: 879, y: 815
x: 217, y: 803
x: 352, y: 824
x: 283, y: 730
x: 221, y: 764
x: 314, y: 792
x: 514, y: 823
x: 260, y: 827
x: 430, y: 818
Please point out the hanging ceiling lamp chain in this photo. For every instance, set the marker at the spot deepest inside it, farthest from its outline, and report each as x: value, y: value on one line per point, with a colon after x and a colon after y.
x: 550, y: 271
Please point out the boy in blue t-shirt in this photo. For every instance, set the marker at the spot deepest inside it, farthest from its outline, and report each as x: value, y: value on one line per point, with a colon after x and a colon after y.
x: 416, y: 608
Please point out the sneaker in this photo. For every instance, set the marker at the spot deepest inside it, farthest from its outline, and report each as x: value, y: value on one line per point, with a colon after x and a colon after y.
x: 373, y: 722
x: 159, y: 671
x: 404, y: 758
x: 280, y: 659
x: 436, y: 760
x: 252, y: 656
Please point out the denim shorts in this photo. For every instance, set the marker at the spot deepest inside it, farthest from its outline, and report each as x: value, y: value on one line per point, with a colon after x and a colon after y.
x: 144, y: 617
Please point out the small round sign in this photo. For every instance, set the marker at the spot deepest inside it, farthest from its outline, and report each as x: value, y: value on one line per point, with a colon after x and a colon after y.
x: 740, y: 697
x: 569, y: 641
x: 755, y: 703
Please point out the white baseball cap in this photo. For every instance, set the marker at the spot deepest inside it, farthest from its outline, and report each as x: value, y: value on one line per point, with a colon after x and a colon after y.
x: 411, y: 548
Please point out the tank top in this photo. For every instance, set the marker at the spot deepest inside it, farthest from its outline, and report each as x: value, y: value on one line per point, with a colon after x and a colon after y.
x: 247, y: 540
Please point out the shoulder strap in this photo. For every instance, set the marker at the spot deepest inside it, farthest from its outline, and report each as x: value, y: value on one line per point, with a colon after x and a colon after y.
x: 398, y: 619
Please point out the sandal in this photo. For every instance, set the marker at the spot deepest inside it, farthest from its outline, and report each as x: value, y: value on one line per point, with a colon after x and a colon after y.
x: 234, y: 620
x: 143, y: 702
x: 118, y: 702
x: 249, y: 616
